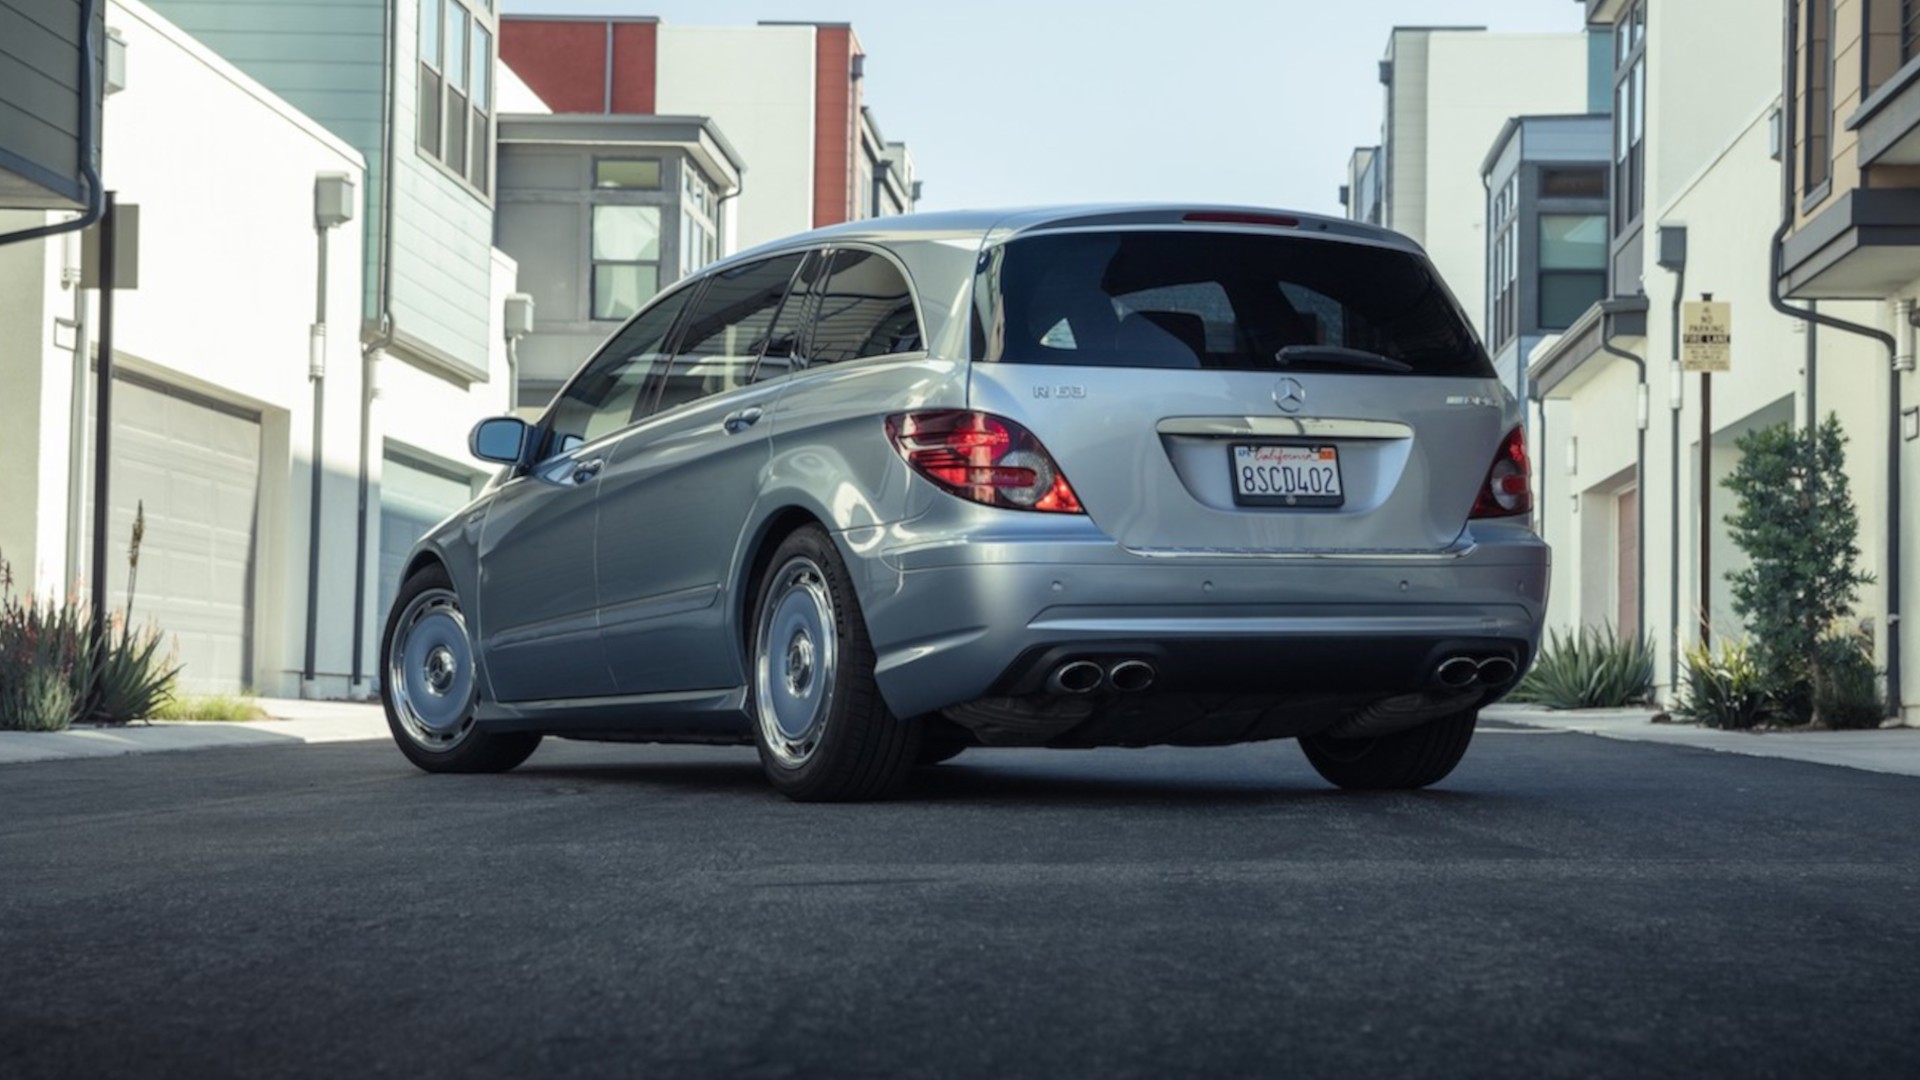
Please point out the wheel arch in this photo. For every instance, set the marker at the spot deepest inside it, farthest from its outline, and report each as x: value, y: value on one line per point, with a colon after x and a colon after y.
x: 758, y: 558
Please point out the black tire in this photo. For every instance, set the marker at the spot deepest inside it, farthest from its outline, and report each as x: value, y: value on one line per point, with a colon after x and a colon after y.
x: 439, y: 734
x: 1408, y: 759
x: 823, y: 732
x: 934, y: 751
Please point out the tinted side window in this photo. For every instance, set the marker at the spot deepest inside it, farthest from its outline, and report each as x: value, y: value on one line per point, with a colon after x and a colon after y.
x: 1224, y: 301
x: 607, y: 395
x: 866, y: 309
x: 785, y: 343
x: 727, y: 330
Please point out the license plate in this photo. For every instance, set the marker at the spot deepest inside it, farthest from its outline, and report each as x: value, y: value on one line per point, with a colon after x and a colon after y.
x: 1286, y: 475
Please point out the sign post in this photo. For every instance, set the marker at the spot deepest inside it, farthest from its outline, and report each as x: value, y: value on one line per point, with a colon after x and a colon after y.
x: 1706, y: 346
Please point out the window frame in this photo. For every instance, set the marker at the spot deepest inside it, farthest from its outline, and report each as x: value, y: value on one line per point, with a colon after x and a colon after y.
x: 663, y: 368
x: 594, y: 262
x: 827, y: 254
x: 1816, y: 100
x: 1627, y: 156
x: 670, y: 345
x: 474, y: 170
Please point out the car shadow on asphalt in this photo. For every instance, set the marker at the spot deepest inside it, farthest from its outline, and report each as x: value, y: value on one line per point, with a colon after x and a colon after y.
x: 986, y: 783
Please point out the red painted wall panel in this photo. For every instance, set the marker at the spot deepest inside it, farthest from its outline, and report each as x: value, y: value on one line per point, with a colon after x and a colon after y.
x: 836, y: 103
x: 563, y: 62
x: 636, y: 50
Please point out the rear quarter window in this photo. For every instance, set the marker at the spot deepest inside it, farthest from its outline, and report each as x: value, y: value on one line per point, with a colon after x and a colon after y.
x: 1222, y: 301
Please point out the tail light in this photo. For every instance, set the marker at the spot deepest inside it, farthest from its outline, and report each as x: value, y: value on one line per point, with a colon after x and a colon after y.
x: 1508, y: 491
x: 985, y: 458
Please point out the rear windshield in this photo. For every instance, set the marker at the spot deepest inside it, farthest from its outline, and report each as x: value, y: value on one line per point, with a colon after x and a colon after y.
x: 1222, y: 301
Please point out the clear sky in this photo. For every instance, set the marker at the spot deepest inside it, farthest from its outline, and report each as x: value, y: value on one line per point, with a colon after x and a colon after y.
x: 1013, y: 102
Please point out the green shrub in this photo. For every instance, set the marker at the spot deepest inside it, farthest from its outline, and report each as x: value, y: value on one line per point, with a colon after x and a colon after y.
x: 1797, y: 525
x: 1851, y: 696
x: 1726, y: 690
x: 230, y: 707
x: 1590, y: 669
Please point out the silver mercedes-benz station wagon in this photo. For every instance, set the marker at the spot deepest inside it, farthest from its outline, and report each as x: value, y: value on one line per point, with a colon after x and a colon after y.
x: 1106, y: 476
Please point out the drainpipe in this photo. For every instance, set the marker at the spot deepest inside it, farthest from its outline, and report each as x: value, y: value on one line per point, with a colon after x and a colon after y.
x: 1673, y: 257
x: 91, y: 94
x: 372, y: 353
x: 1897, y: 364
x: 1639, y: 471
x: 333, y: 196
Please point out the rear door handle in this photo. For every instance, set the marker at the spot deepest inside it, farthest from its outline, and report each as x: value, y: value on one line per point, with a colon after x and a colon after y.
x: 737, y: 422
x: 585, y: 471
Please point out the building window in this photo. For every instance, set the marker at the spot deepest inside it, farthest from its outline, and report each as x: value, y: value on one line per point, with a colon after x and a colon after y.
x: 1629, y: 117
x: 699, y: 243
x: 621, y: 174
x: 1816, y: 163
x: 1573, y: 267
x: 1503, y: 314
x: 456, y: 90
x: 1573, y: 183
x: 626, y: 259
x: 1909, y: 29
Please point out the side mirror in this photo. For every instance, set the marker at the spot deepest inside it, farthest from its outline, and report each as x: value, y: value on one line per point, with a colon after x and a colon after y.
x: 499, y: 438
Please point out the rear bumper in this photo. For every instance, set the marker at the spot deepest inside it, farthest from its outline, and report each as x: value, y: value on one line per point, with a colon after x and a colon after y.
x: 952, y: 623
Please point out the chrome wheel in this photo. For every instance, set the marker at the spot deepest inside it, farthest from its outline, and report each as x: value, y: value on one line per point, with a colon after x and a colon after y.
x: 796, y: 658
x: 430, y: 672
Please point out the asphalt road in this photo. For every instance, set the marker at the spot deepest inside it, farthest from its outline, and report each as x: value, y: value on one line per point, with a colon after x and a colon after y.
x: 1563, y: 906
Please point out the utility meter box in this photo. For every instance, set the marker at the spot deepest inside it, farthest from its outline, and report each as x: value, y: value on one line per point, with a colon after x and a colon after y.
x: 333, y: 199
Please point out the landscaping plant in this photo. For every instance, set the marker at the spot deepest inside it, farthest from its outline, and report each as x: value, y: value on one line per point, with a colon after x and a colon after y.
x: 51, y: 675
x: 1797, y: 525
x: 1589, y: 669
x: 1725, y: 690
x: 43, y: 660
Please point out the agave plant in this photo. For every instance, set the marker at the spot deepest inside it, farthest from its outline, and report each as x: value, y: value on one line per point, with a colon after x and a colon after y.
x: 1591, y: 668
x: 131, y: 680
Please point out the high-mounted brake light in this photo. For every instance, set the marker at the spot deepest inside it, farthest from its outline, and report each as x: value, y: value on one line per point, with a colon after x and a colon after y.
x: 1508, y: 491
x: 1242, y: 217
x: 985, y: 458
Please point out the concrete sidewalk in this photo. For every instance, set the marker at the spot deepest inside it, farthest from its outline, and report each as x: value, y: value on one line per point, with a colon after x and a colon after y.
x: 1890, y: 750
x: 293, y: 722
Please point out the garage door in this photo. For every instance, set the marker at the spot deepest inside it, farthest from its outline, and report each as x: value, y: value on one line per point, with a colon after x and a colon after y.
x: 194, y: 465
x: 415, y: 495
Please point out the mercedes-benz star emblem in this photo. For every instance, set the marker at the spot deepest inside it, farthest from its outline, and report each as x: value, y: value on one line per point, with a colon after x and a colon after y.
x: 1289, y: 395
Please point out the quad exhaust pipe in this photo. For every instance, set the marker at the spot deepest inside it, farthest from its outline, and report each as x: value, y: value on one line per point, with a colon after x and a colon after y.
x: 1460, y: 672
x: 1131, y: 676
x: 1075, y: 677
x: 1086, y: 676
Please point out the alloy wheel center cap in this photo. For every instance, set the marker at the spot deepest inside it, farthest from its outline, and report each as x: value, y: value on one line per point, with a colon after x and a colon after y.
x: 799, y: 664
x: 439, y: 670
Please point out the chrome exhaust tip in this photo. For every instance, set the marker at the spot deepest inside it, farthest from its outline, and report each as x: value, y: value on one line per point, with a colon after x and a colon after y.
x: 1497, y: 671
x: 1131, y: 676
x: 1075, y: 677
x: 1459, y: 672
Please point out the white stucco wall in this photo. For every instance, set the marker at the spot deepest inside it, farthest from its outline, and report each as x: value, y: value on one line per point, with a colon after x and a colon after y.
x: 1727, y: 196
x: 1475, y: 83
x: 769, y: 118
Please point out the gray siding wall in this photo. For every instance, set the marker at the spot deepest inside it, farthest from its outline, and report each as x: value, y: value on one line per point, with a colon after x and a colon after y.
x: 442, y: 234
x: 40, y: 104
x: 325, y: 59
